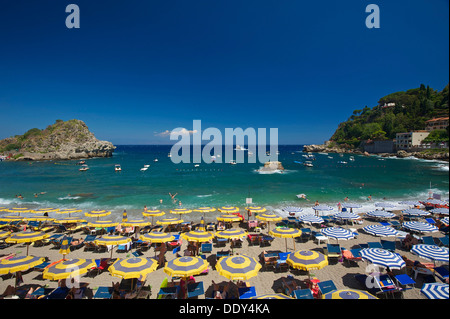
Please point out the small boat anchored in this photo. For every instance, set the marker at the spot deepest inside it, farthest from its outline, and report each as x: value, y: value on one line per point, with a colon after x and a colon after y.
x: 145, y: 168
x: 117, y: 168
x: 84, y: 168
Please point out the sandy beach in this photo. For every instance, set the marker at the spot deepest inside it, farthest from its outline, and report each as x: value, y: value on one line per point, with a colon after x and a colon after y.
x: 266, y: 282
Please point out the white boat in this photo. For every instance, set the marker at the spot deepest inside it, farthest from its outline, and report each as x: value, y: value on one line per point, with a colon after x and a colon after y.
x: 83, y: 168
x: 342, y: 162
x: 352, y: 158
x: 145, y: 168
x: 330, y: 157
x: 233, y: 162
x: 240, y: 148
x: 323, y: 153
x: 169, y: 155
x: 196, y: 165
x: 117, y: 168
x: 308, y: 164
x: 155, y: 160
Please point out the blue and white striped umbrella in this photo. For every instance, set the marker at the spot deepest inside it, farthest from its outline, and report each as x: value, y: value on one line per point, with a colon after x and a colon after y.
x: 410, y: 202
x: 435, y: 290
x: 338, y: 233
x: 309, y: 218
x: 415, y: 212
x: 443, y: 211
x: 323, y: 208
x: 380, y: 230
x: 384, y: 205
x: 383, y: 258
x: 347, y: 215
x: 420, y: 227
x: 432, y: 252
x: 380, y: 214
x: 292, y: 209
x: 434, y: 201
x: 351, y: 205
x: 445, y: 220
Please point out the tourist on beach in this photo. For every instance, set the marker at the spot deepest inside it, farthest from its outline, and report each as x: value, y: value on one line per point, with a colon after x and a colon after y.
x: 160, y: 201
x: 145, y: 208
x: 316, y: 203
x: 369, y: 197
x: 346, y: 199
x: 339, y: 206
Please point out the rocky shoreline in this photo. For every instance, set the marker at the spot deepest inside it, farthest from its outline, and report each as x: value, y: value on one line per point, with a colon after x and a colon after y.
x: 313, y: 148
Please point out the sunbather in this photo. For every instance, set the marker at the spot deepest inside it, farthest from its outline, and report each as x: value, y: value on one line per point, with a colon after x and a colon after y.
x: 409, y: 241
x: 218, y: 294
x: 290, y: 285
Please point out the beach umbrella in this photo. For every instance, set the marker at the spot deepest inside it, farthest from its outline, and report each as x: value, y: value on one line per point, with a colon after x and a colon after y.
x: 310, y: 218
x: 65, y: 246
x: 232, y: 233
x: 185, y: 266
x: 18, y: 210
x: 44, y: 210
x: 322, y: 208
x: 68, y: 268
x: 70, y: 220
x: 68, y: 211
x: 136, y: 223
x: 2, y: 209
x: 434, y: 201
x: 286, y: 232
x: 153, y: 213
x: 415, y: 212
x: 228, y: 209
x: 443, y: 211
x: 136, y: 267
x: 10, y: 219
x: 445, y: 220
x: 272, y: 296
x: 239, y: 267
x: 431, y: 252
x: 229, y: 218
x: 111, y: 240
x: 380, y: 214
x: 420, y: 227
x: 97, y: 213
x: 256, y: 209
x: 157, y: 237
x: 338, y: 233
x: 40, y: 218
x: 292, y: 209
x: 269, y: 217
x: 102, y: 224
x: 4, y: 234
x: 19, y: 263
x: 348, y: 294
x: 180, y: 211
x: 198, y: 236
x: 169, y: 221
x: 410, y: 202
x: 205, y: 209
x: 347, y: 216
x: 380, y: 230
x: 435, y: 290
x: 307, y: 260
x: 202, y: 225
x: 26, y: 237
x: 383, y: 258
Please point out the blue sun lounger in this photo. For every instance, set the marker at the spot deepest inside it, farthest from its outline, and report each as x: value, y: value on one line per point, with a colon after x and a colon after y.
x: 302, y: 294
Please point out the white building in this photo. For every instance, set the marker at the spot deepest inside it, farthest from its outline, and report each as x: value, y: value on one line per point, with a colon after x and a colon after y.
x: 410, y: 141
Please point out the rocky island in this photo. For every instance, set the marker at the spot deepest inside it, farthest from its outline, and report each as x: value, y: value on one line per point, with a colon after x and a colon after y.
x: 64, y: 140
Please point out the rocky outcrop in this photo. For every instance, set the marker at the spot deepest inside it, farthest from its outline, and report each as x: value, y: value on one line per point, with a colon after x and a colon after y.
x: 60, y: 141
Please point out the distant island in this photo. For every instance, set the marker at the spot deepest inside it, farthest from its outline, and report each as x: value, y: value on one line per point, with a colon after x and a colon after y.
x: 64, y: 140
x: 405, y: 123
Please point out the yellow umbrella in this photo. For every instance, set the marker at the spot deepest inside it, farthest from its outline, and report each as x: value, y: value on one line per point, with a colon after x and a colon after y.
x: 198, y: 236
x: 44, y: 210
x: 136, y: 267
x: 169, y: 221
x: 185, y: 266
x: 19, y: 263
x: 26, y: 237
x: 153, y: 213
x: 136, y: 223
x: 269, y: 217
x: 204, y: 209
x: 180, y: 211
x: 68, y: 211
x: 40, y: 218
x: 10, y: 218
x: 229, y: 218
x: 65, y: 246
x: 256, y: 209
x: 97, y: 213
x: 4, y: 234
x: 228, y: 209
x: 102, y: 223
x: 108, y: 240
x: 157, y: 237
x: 18, y: 210
x: 348, y: 294
x: 70, y: 220
x: 239, y: 267
x: 286, y: 232
x: 68, y: 268
x: 307, y: 260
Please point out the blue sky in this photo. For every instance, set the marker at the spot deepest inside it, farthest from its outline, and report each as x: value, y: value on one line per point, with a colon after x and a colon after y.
x: 134, y: 68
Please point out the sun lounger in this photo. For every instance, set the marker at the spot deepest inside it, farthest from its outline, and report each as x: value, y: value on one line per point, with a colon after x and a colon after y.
x: 253, y: 239
x: 442, y: 273
x: 326, y: 286
x: 306, y: 233
x: 58, y: 293
x: 221, y: 242
x: 196, y: 289
x: 428, y: 240
x: 222, y: 253
x: 302, y: 294
x: 206, y: 248
x: 319, y: 237
x: 374, y: 244
x: 266, y: 240
x: 247, y: 292
x: 405, y: 281
x: 388, y: 245
x: 333, y: 251
x: 168, y: 292
x: 443, y: 241
x: 351, y: 255
x: 396, y: 224
x: 103, y: 292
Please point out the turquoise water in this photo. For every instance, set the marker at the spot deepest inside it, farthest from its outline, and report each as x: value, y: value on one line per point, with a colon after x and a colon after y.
x: 216, y: 184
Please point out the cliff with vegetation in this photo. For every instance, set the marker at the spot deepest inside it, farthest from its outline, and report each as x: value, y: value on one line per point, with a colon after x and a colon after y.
x: 395, y: 113
x: 60, y: 141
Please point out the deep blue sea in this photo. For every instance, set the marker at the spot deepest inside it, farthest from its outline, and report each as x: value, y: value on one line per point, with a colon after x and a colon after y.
x: 216, y: 184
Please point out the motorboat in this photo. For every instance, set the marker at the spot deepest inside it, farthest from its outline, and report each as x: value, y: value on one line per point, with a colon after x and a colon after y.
x: 308, y: 164
x: 352, y: 158
x: 240, y: 148
x: 145, y: 168
x: 84, y: 168
x: 81, y: 162
x: 155, y: 160
x: 342, y: 162
x: 117, y: 168
x: 233, y: 162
